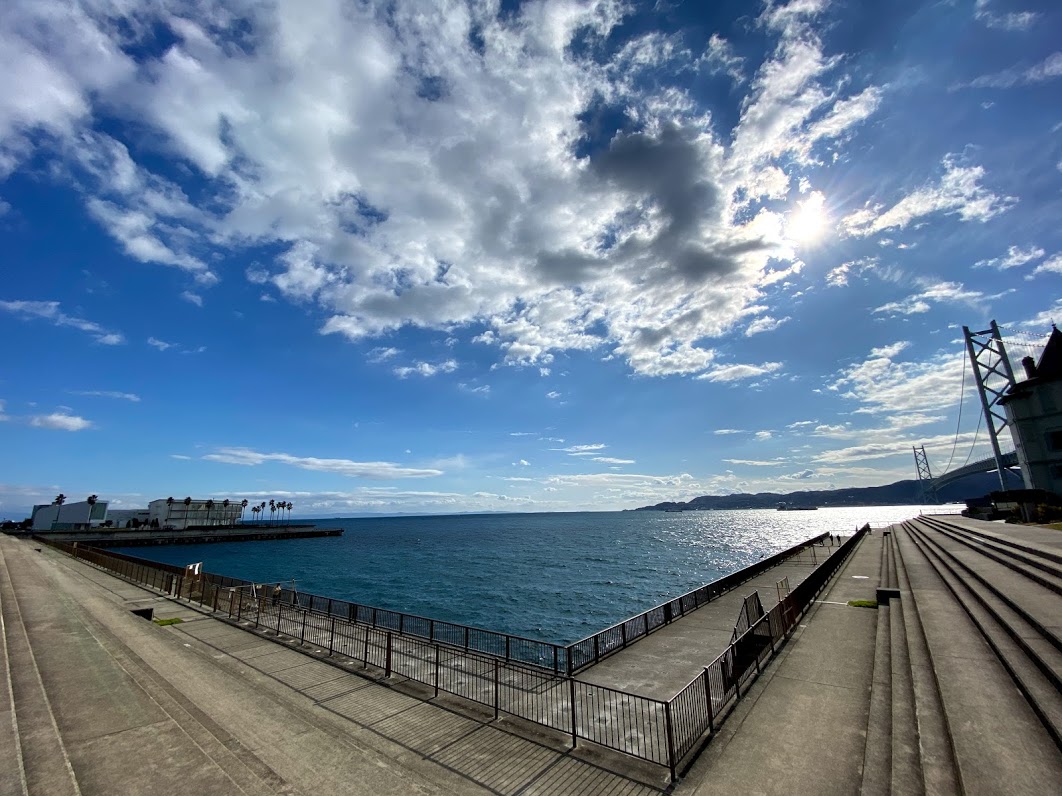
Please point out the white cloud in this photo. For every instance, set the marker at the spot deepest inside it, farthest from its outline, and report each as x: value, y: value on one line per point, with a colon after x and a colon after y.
x: 1013, y: 20
x: 442, y: 188
x: 725, y: 431
x: 382, y: 354
x: 611, y: 460
x: 581, y: 449
x: 885, y: 384
x: 959, y: 192
x: 3, y: 416
x: 719, y: 56
x: 1014, y: 257
x: 192, y: 298
x: 727, y: 373
x: 125, y: 396
x: 60, y: 421
x: 425, y: 369
x: 762, y: 436
x: 180, y: 457
x: 933, y: 293
x: 161, y: 345
x: 50, y: 311
x: 765, y: 323
x: 1052, y: 265
x: 1048, y: 69
x: 482, y: 389
x: 345, y: 467
x: 553, y: 395
x: 754, y: 462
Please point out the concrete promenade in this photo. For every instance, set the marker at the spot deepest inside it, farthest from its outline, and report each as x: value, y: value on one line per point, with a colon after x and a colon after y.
x: 802, y: 726
x: 108, y: 703
x: 665, y: 661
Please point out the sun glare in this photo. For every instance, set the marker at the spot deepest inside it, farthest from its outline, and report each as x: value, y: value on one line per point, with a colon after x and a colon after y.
x: 809, y: 220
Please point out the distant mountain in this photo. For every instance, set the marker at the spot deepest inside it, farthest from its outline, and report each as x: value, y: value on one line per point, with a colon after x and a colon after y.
x: 898, y: 494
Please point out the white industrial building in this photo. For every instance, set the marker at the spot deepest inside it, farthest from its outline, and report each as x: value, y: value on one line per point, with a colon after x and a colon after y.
x: 69, y: 516
x: 166, y: 513
x: 179, y: 513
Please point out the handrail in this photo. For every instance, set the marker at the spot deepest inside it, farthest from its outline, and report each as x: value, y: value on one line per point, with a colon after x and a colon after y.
x: 698, y: 708
x: 597, y: 646
x: 661, y: 732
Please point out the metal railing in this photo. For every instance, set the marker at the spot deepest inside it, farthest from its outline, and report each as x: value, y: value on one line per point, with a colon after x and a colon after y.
x: 700, y: 706
x: 592, y: 649
x: 661, y: 732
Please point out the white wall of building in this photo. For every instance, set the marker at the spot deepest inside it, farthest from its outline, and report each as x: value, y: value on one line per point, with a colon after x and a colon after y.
x: 69, y: 515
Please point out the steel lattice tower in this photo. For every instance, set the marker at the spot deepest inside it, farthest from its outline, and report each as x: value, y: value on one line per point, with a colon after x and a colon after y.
x: 994, y: 379
x: 925, y: 477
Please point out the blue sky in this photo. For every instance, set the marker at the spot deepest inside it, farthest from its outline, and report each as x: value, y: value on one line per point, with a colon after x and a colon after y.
x: 480, y: 256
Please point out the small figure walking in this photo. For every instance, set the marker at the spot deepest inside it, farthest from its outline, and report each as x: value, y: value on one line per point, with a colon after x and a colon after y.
x: 276, y: 594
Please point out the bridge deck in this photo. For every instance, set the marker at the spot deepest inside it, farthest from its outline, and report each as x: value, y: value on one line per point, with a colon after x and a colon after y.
x: 664, y: 662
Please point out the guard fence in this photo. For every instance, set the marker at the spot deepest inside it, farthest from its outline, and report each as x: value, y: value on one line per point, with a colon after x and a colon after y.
x: 658, y: 731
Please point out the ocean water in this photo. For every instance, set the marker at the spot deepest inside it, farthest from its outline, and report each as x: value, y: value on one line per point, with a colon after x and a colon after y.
x: 553, y: 577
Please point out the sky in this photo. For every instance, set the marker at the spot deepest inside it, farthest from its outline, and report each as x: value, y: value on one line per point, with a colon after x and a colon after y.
x: 432, y: 257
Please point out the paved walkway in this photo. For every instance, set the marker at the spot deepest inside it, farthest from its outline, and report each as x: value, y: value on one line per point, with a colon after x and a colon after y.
x: 802, y: 727
x: 663, y: 663
x: 203, y: 707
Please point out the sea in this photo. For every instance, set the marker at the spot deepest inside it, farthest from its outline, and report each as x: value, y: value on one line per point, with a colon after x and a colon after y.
x: 555, y: 577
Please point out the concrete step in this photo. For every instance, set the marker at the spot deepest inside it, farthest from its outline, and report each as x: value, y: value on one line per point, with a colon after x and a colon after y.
x: 877, y: 757
x: 906, y: 756
x: 1041, y: 570
x: 978, y: 695
x: 12, y: 772
x: 1047, y: 548
x: 1035, y: 665
x: 1037, y: 604
x: 43, y: 763
x: 939, y: 770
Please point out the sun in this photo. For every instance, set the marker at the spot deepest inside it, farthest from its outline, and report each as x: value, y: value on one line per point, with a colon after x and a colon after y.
x: 809, y: 220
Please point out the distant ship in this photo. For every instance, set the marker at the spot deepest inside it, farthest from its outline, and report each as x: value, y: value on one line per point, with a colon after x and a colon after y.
x: 786, y: 507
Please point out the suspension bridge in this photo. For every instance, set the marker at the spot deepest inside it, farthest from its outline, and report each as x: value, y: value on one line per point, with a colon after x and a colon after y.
x: 993, y: 377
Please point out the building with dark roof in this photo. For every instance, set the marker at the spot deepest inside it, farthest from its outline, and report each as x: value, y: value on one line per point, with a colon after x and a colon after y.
x: 1034, y: 414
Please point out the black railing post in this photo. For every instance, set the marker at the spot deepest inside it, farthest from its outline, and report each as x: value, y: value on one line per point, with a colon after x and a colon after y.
x: 332, y: 637
x: 623, y: 633
x: 597, y: 648
x: 495, y: 688
x: 575, y: 717
x: 302, y: 635
x: 365, y: 656
x: 387, y: 659
x: 646, y: 617
x: 708, y: 700
x: 670, y: 740
x: 506, y: 648
x: 466, y: 637
x: 436, y: 670
x: 431, y: 630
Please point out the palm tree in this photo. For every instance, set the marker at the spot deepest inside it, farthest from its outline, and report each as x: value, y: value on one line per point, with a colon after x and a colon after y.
x: 254, y: 514
x: 225, y: 505
x: 289, y: 512
x: 60, y: 499
x: 243, y: 505
x: 91, y: 500
x: 272, y: 508
x: 209, y: 506
x: 187, y: 504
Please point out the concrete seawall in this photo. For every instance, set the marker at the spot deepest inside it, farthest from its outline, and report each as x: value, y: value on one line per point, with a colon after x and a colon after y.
x: 123, y: 537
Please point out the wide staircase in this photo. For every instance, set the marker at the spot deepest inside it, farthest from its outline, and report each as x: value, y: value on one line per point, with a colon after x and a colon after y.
x: 967, y: 681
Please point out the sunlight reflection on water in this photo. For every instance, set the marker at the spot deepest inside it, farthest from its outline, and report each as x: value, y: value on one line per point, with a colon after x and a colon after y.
x: 556, y: 577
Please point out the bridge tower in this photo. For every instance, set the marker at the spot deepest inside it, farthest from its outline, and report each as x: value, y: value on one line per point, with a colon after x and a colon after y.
x: 926, y: 486
x: 994, y: 377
